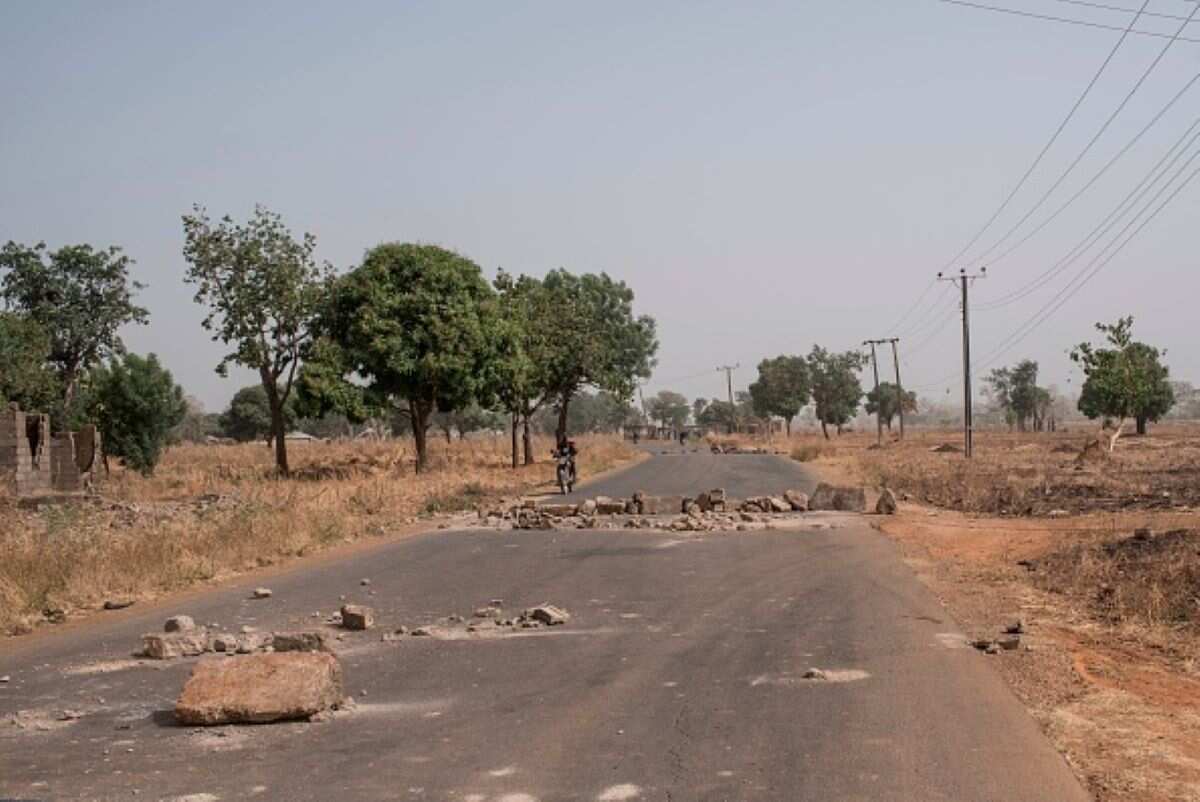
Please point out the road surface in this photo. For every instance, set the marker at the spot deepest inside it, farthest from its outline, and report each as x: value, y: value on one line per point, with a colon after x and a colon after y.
x: 679, y: 677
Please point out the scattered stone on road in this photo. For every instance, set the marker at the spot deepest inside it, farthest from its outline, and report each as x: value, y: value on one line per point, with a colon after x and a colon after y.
x: 548, y: 614
x: 262, y: 593
x: 170, y: 645
x: 838, y: 499
x: 815, y: 674
x: 118, y: 604
x: 301, y: 642
x: 260, y: 689
x: 357, y: 617
x: 179, y: 623
x: 887, y: 503
x: 798, y: 500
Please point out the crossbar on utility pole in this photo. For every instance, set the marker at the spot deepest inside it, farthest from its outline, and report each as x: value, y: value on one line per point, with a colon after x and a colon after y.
x: 899, y: 386
x: 964, y: 281
x: 729, y: 369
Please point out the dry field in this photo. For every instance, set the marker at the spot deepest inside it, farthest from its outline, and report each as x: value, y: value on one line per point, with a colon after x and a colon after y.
x: 213, y: 511
x: 1099, y: 561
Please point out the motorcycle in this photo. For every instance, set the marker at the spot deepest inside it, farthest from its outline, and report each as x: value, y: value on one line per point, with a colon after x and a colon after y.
x: 565, y: 470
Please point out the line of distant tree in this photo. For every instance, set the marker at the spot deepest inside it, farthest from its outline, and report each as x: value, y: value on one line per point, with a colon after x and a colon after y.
x: 414, y: 334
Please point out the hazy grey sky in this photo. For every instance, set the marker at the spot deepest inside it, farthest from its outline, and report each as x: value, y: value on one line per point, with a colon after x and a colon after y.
x: 765, y: 175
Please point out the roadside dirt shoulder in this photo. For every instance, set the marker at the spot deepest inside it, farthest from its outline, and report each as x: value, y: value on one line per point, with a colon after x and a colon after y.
x: 1121, y: 702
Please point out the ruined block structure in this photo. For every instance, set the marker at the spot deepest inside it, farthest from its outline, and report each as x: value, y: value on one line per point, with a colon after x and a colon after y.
x: 33, y: 462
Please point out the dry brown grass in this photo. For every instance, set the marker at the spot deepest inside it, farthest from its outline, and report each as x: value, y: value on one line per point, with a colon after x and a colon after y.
x: 211, y: 511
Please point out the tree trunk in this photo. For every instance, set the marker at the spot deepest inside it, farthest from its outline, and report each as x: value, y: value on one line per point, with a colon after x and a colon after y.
x: 561, y: 432
x: 278, y: 431
x: 1141, y: 426
x: 515, y: 451
x: 1112, y: 441
x: 787, y: 423
x: 449, y: 437
x: 527, y: 440
x: 825, y: 430
x: 420, y: 413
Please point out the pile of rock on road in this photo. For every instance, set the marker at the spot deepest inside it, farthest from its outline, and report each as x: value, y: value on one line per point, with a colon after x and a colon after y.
x: 710, y: 510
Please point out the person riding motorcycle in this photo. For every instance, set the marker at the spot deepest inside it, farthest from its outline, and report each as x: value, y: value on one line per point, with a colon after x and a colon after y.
x: 565, y: 453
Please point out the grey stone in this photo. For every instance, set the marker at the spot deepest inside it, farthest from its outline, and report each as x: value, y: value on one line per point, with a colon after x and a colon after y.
x: 797, y: 500
x: 311, y: 641
x: 838, y: 499
x: 778, y: 504
x: 588, y: 507
x: 549, y: 615
x: 179, y: 623
x: 262, y: 593
x: 175, y: 644
x: 357, y: 617
x: 887, y: 503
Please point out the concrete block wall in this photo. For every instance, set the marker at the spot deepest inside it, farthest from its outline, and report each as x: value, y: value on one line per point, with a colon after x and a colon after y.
x: 54, y: 466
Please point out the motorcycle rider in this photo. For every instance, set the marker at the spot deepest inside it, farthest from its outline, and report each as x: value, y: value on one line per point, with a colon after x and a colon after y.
x: 566, y: 448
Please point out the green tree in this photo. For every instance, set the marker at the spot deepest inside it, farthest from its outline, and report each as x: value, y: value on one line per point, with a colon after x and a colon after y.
x: 669, y: 408
x: 719, y: 414
x: 1015, y: 390
x: 249, y: 416
x: 25, y: 375
x: 1125, y: 381
x: 595, y: 339
x: 263, y: 290
x: 471, y: 418
x: 521, y: 345
x: 835, y: 387
x: 885, y: 402
x: 136, y: 403
x: 80, y: 296
x: 782, y: 388
x: 414, y: 324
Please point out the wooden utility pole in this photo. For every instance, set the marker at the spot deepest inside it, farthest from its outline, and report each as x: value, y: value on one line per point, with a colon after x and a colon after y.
x: 878, y: 400
x: 729, y: 369
x: 964, y: 280
x: 899, y: 386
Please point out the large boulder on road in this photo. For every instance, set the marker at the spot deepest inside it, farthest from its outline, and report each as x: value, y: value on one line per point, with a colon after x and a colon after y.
x: 260, y: 688
x: 838, y: 499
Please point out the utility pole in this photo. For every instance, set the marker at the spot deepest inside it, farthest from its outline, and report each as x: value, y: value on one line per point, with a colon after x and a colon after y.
x: 878, y: 400
x: 964, y: 280
x: 899, y: 386
x: 729, y: 369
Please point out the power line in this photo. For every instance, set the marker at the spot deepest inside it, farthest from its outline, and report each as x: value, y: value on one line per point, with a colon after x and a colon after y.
x: 1105, y: 225
x: 1093, y: 267
x: 1070, y: 21
x: 1091, y: 143
x: 916, y: 303
x: 1123, y: 9
x: 1116, y: 157
x: 1053, y: 138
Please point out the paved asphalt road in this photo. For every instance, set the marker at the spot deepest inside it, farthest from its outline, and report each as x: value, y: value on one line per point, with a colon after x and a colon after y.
x: 678, y: 678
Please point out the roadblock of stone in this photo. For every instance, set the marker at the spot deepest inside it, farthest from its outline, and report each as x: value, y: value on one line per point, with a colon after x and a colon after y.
x: 260, y: 688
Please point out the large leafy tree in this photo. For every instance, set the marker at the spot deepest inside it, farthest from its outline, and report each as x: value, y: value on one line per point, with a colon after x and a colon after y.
x: 414, y: 324
x: 669, y: 408
x: 782, y: 388
x: 836, y: 391
x: 719, y: 414
x: 885, y: 401
x: 25, y: 375
x: 81, y: 296
x: 136, y: 404
x: 1015, y: 390
x: 249, y: 416
x: 1125, y: 380
x: 523, y: 337
x: 263, y: 289
x: 595, y: 339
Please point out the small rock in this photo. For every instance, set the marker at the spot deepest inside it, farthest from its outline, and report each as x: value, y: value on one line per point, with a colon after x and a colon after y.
x: 175, y: 644
x: 357, y: 617
x: 262, y: 593
x: 887, y: 503
x: 118, y: 604
x: 549, y: 615
x: 364, y: 582
x: 814, y: 673
x: 1015, y: 628
x: 798, y: 500
x: 300, y: 642
x: 488, y: 612
x: 5, y: 678
x: 778, y: 504
x: 422, y: 632
x: 1009, y: 643
x: 179, y: 623
x: 993, y: 648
